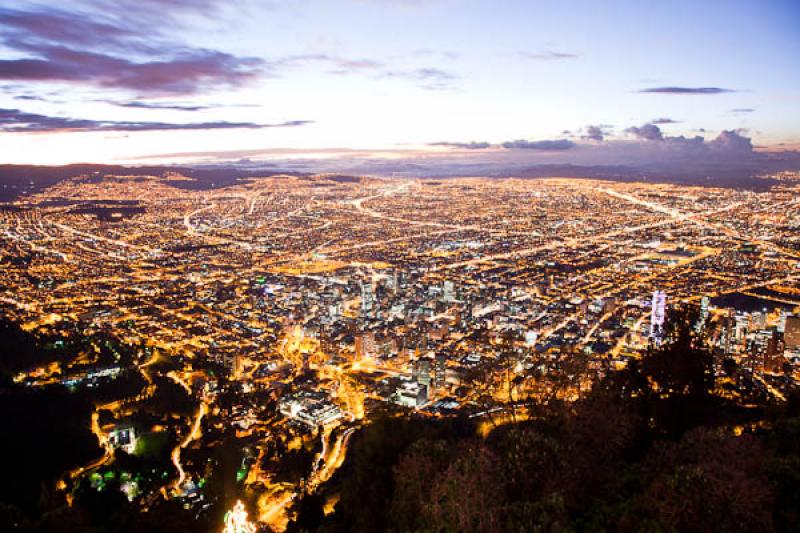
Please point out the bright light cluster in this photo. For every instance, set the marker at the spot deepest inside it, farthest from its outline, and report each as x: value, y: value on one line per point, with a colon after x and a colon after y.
x: 236, y: 520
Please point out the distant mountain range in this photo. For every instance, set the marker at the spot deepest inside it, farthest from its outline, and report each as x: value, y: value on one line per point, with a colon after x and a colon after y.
x: 19, y: 180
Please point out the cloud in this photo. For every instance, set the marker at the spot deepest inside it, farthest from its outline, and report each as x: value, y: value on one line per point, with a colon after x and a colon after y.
x: 728, y: 141
x: 664, y: 120
x: 554, y: 145
x: 138, y: 104
x: 732, y: 141
x: 728, y: 159
x: 593, y: 133
x: 648, y: 132
x: 428, y: 78
x: 742, y: 110
x: 186, y: 72
x: 130, y: 45
x: 686, y: 90
x: 465, y: 146
x: 63, y: 46
x: 30, y: 98
x: 548, y: 55
x: 18, y: 121
x: 340, y: 65
x: 354, y: 65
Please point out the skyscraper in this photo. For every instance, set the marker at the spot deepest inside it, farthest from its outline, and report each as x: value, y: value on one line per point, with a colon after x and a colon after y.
x: 792, y: 333
x: 701, y: 321
x: 367, y: 298
x: 657, y: 316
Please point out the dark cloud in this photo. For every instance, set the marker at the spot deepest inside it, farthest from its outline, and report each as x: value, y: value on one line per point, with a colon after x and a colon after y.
x: 728, y: 142
x: 465, y: 146
x: 648, y: 132
x: 131, y: 45
x: 686, y: 90
x: 555, y: 145
x: 727, y: 159
x: 742, y: 110
x: 137, y: 104
x: 30, y: 98
x: 27, y: 29
x: 17, y: 121
x: 186, y: 72
x: 170, y: 106
x: 69, y: 47
x: 548, y: 55
x: 732, y: 141
x: 664, y: 120
x: 593, y: 133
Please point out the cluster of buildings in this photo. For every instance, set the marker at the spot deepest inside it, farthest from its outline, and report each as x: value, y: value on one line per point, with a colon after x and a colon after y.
x: 310, y: 301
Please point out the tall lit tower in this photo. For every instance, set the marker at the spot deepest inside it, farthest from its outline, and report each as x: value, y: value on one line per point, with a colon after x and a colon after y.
x: 704, y: 303
x: 366, y: 297
x: 657, y: 316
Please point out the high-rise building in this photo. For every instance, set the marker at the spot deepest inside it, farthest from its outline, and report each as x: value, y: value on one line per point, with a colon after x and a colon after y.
x: 782, y: 322
x: 657, y: 316
x: 791, y: 334
x: 703, y: 318
x: 439, y: 371
x: 365, y: 345
x: 367, y: 297
x: 424, y: 372
x: 448, y: 291
x: 758, y: 320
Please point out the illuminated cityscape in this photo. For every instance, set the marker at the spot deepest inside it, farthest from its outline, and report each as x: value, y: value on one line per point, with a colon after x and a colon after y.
x: 402, y: 265
x: 287, y: 310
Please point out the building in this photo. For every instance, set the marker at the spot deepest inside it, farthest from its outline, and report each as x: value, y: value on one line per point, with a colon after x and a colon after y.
x: 410, y: 394
x: 123, y: 438
x: 309, y: 407
x: 658, y: 316
x: 448, y: 291
x: 367, y: 297
x: 439, y: 371
x: 365, y: 346
x: 703, y: 318
x: 423, y: 372
x: 791, y: 333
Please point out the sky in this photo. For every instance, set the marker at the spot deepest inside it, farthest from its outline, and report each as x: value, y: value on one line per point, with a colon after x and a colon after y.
x: 458, y: 82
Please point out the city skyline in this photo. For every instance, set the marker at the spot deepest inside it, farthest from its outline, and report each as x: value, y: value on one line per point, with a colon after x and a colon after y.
x: 318, y: 84
x: 460, y: 266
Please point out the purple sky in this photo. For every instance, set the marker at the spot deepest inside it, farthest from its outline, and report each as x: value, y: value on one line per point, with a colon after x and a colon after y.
x: 377, y: 84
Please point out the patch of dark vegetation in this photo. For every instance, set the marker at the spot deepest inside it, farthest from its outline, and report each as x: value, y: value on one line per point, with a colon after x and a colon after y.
x: 650, y: 448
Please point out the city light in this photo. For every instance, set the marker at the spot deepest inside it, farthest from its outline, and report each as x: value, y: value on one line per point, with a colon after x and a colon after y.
x: 236, y: 520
